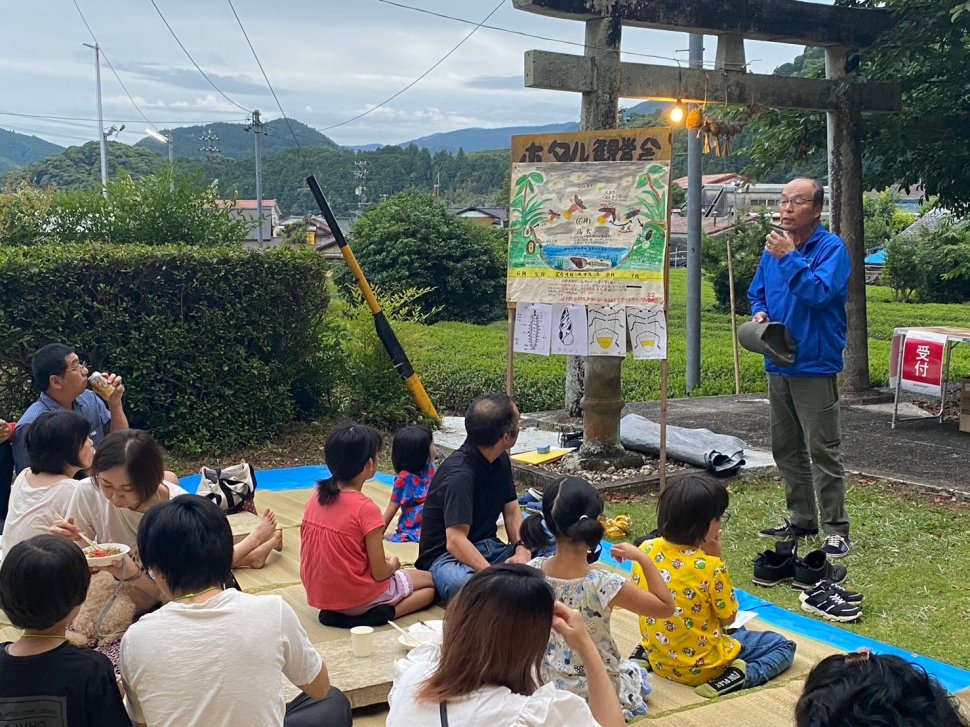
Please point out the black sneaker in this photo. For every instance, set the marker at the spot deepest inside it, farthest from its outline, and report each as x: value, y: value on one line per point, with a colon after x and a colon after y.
x: 837, y: 546
x: 731, y: 680
x: 816, y: 567
x: 849, y: 596
x: 787, y: 531
x: 830, y: 605
x: 640, y: 657
x: 773, y: 567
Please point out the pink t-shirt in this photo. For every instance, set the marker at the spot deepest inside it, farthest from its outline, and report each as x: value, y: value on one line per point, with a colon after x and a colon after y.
x: 334, y: 566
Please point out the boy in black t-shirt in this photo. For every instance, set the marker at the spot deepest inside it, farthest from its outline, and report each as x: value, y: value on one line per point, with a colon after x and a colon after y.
x: 43, y: 679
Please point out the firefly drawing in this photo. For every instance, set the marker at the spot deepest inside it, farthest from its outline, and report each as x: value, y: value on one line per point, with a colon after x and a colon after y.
x: 575, y: 207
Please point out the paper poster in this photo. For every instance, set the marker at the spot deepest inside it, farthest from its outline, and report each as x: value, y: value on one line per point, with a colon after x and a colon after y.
x: 648, y: 332
x: 606, y: 330
x: 588, y: 217
x: 569, y: 330
x: 533, y: 322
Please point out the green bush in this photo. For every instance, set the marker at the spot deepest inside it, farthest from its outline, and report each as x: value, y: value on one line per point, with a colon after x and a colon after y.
x: 935, y: 265
x: 903, y: 272
x: 412, y: 241
x: 160, y: 209
x: 747, y: 245
x: 365, y: 386
x: 215, y: 344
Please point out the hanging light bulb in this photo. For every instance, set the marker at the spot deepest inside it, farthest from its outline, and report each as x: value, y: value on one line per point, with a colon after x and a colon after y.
x: 676, y: 113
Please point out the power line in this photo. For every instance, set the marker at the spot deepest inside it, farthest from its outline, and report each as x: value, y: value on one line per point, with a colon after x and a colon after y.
x: 266, y: 78
x: 50, y: 117
x: 419, y: 78
x: 189, y: 56
x: 24, y: 130
x: 527, y: 35
x: 113, y: 71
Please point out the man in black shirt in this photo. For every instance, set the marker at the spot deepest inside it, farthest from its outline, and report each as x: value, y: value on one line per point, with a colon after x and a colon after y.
x: 470, y: 490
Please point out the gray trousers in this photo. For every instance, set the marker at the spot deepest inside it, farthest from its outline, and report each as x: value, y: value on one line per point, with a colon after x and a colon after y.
x: 806, y: 443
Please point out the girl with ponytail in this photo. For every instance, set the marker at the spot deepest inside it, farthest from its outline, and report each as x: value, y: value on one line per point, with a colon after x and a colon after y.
x: 571, y: 509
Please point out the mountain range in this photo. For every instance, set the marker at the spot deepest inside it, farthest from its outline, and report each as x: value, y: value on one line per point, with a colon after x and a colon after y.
x: 235, y: 141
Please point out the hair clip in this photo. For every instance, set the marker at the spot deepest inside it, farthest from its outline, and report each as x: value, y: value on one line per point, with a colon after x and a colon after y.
x: 583, y: 517
x: 857, y: 657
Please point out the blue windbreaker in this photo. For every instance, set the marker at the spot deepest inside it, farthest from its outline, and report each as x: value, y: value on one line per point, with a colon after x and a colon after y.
x: 806, y: 290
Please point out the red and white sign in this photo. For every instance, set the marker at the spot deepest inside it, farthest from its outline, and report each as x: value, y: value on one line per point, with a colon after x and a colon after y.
x: 922, y: 363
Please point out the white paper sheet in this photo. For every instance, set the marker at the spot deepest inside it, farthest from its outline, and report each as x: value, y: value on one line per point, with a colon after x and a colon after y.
x: 606, y: 326
x: 533, y: 323
x: 648, y: 332
x: 569, y: 330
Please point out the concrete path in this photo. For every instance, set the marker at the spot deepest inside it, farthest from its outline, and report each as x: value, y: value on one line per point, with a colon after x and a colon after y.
x: 922, y: 452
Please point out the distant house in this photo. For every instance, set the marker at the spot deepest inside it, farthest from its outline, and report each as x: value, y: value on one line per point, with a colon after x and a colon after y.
x: 491, y: 216
x: 246, y: 208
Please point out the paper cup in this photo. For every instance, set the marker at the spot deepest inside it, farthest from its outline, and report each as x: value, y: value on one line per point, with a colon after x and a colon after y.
x: 361, y: 640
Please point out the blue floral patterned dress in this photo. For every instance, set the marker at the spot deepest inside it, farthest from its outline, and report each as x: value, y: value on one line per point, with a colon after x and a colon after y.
x: 410, y: 491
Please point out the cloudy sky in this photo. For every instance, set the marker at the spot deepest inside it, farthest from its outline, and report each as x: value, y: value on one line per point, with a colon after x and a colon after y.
x: 328, y: 60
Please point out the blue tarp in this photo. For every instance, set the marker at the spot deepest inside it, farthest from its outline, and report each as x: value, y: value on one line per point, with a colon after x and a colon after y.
x: 877, y: 258
x: 953, y: 678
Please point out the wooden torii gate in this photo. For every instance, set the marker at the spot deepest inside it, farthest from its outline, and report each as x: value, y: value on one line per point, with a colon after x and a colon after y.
x: 603, y: 79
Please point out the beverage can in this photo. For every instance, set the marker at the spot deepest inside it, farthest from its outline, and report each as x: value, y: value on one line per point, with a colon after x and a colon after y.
x: 100, y: 385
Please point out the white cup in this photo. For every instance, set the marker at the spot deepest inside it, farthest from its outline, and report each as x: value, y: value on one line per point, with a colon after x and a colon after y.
x: 362, y: 640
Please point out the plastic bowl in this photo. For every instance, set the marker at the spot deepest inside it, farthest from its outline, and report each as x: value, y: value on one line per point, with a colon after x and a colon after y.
x: 100, y: 560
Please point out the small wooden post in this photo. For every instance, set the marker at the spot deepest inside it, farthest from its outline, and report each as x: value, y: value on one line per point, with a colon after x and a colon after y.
x: 509, y: 352
x: 664, y: 363
x: 734, y: 320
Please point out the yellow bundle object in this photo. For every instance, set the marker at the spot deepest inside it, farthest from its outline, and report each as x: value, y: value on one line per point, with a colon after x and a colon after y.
x: 617, y: 527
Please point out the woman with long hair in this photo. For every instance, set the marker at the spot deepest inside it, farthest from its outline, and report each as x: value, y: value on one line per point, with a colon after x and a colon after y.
x: 485, y: 673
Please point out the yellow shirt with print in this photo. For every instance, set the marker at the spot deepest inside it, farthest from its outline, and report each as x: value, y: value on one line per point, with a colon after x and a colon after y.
x: 690, y: 647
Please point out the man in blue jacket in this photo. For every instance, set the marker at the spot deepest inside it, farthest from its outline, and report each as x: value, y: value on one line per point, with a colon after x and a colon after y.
x: 802, y: 281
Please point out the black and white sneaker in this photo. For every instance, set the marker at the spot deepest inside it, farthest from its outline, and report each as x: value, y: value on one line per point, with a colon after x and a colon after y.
x: 837, y: 546
x: 831, y: 606
x: 787, y: 531
x: 849, y: 596
x: 731, y: 680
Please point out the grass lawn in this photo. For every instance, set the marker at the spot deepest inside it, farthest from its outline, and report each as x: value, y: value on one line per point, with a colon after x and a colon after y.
x: 458, y: 361
x: 911, y: 559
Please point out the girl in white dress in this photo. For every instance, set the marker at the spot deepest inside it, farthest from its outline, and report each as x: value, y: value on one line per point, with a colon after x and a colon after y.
x: 571, y: 509
x: 484, y: 673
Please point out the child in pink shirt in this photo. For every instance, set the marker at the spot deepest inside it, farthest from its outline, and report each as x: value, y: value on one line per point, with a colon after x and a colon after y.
x: 343, y: 566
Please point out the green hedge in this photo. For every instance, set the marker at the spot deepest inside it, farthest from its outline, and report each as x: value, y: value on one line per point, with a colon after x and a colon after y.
x: 219, y: 346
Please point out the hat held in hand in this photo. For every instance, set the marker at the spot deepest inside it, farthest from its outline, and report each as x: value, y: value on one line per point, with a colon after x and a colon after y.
x: 770, y: 339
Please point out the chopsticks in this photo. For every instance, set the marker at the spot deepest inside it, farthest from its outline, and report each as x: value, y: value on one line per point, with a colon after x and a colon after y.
x: 405, y: 633
x: 84, y: 537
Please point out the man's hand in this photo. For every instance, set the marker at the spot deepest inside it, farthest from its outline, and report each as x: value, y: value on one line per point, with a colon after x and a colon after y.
x: 522, y: 555
x: 115, y: 399
x: 761, y: 317
x: 779, y: 245
x: 5, y: 431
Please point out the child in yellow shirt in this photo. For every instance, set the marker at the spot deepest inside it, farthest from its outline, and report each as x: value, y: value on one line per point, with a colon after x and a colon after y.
x: 692, y: 647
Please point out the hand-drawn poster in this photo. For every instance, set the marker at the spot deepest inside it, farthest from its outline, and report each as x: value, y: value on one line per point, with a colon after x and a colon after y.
x: 606, y: 330
x: 588, y: 217
x: 532, y: 325
x: 648, y: 332
x: 569, y: 330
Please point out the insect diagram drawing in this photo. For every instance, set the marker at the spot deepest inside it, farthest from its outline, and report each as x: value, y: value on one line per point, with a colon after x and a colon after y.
x: 569, y: 329
x: 588, y: 217
x: 648, y: 332
x: 606, y: 330
x: 533, y: 323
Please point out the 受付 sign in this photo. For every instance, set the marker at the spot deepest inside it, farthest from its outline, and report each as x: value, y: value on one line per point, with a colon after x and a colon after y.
x: 922, y: 362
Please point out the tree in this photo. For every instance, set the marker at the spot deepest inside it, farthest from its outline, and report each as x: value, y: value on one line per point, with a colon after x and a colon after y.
x: 411, y: 241
x: 928, y: 51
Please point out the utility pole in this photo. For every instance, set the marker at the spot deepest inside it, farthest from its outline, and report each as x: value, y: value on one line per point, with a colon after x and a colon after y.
x: 695, y: 191
x: 360, y: 190
x: 102, y: 139
x: 256, y: 126
x: 209, y: 140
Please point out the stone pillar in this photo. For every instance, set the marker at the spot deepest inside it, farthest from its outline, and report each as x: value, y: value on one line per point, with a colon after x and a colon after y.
x: 846, y: 219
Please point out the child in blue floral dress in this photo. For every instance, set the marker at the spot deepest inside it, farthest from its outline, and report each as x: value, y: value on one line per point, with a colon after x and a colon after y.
x: 412, y: 455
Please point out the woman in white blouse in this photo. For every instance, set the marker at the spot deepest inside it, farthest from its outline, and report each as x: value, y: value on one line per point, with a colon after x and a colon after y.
x: 485, y: 672
x: 58, y: 447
